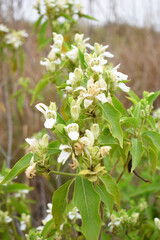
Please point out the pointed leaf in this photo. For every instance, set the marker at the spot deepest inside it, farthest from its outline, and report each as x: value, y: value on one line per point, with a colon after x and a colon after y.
x: 111, y: 188
x: 60, y: 202
x: 105, y: 197
x: 40, y: 85
x: 113, y: 116
x: 119, y: 106
x: 136, y: 152
x: 88, y: 203
x: 154, y: 136
x: 153, y: 157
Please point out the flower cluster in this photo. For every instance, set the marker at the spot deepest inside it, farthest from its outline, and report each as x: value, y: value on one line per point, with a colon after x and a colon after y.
x: 11, y: 37
x: 62, y: 14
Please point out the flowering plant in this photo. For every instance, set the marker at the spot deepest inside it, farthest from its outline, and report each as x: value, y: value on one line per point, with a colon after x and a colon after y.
x: 94, y: 134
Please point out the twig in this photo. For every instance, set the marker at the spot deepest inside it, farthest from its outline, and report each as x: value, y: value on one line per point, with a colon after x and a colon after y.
x: 124, y: 169
x: 144, y: 180
x: 114, y: 167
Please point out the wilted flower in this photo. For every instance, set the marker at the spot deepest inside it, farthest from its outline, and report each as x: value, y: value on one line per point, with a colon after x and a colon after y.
x: 31, y: 170
x: 104, y: 150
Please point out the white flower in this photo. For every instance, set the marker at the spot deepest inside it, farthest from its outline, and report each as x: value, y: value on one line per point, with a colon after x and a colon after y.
x: 87, y: 103
x: 102, y: 97
x: 134, y: 217
x: 72, y: 131
x: 73, y: 54
x: 74, y: 214
x: 65, y: 154
x: 123, y: 87
x: 157, y: 223
x: 3, y: 28
x: 119, y: 77
x: 90, y: 138
x: 49, y: 114
x: 49, y: 215
x: 95, y: 130
x: 33, y: 144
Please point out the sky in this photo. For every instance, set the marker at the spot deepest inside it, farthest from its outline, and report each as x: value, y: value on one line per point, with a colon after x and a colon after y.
x: 134, y: 12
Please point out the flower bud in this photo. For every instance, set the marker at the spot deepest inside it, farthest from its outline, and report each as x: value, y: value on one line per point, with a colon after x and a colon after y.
x: 95, y: 130
x: 157, y: 223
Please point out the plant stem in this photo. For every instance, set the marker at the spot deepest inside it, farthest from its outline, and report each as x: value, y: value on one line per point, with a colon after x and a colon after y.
x: 64, y: 173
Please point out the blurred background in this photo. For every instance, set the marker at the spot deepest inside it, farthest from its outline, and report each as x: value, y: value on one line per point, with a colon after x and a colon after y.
x: 132, y: 30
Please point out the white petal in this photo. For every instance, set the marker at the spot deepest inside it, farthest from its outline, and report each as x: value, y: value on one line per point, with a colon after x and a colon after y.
x: 101, y: 97
x: 90, y: 137
x: 62, y: 147
x: 49, y: 123
x: 47, y: 219
x: 23, y: 226
x: 73, y: 135
x: 87, y: 103
x: 63, y: 157
x: 89, y: 46
x: 108, y: 55
x: 122, y: 76
x: 71, y: 215
x: 80, y: 89
x: 97, y: 68
x: 41, y: 107
x: 123, y: 87
x: 31, y: 141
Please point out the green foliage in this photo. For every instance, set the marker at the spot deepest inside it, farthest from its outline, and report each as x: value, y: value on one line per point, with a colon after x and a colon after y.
x: 60, y: 203
x: 88, y: 203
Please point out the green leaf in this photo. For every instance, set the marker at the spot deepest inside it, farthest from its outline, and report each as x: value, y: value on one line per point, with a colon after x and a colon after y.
x: 44, y: 43
x: 131, y: 120
x: 88, y: 17
x: 60, y: 120
x: 53, y: 148
x: 152, y: 97
x: 105, y: 197
x: 42, y: 31
x: 153, y: 158
x: 151, y: 122
x: 81, y: 57
x: 107, y: 140
x: 20, y: 103
x: 18, y: 168
x: 111, y: 188
x: 113, y: 116
x: 88, y: 203
x: 154, y: 136
x: 48, y: 227
x: 119, y: 106
x: 60, y: 202
x: 136, y: 152
x: 14, y: 187
x: 137, y: 112
x: 40, y: 85
x: 37, y: 23
x: 133, y: 97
